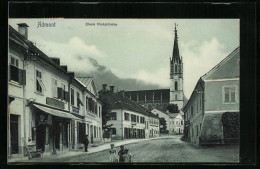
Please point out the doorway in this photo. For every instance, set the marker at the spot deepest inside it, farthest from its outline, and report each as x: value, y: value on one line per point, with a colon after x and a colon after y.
x: 40, y: 136
x: 14, y: 134
x: 91, y: 134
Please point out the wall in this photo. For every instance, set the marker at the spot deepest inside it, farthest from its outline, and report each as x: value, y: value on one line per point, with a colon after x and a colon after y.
x: 16, y: 107
x: 214, y: 96
x: 162, y: 115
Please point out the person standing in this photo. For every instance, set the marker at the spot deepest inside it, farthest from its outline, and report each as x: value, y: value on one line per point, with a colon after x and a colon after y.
x: 86, y: 143
x: 121, y: 154
x: 112, y: 152
x: 127, y: 157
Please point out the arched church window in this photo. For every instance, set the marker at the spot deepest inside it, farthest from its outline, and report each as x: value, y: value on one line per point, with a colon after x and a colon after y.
x: 175, y: 68
x: 176, y: 85
x: 180, y: 69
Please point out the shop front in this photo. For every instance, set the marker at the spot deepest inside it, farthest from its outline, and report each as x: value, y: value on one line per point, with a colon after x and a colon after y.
x: 51, y: 128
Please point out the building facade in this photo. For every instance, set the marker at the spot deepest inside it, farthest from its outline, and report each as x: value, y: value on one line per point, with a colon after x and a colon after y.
x: 164, y: 115
x: 176, y: 124
x: 127, y: 119
x: 46, y: 108
x: 212, y: 112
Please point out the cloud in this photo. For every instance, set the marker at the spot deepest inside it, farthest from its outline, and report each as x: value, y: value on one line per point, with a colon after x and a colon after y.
x: 158, y: 77
x: 79, y: 57
x: 198, y: 59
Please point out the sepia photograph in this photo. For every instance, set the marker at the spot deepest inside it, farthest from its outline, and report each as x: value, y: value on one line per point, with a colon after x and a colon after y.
x: 132, y: 90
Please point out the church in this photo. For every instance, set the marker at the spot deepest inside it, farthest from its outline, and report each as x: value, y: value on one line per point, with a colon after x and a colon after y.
x: 161, y: 98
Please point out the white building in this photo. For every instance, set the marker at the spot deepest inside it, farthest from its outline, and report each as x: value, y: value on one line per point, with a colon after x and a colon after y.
x: 176, y: 123
x: 46, y: 103
x: 127, y: 119
x: 164, y: 115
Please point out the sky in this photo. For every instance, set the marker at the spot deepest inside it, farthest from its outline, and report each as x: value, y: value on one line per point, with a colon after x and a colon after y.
x: 136, y: 48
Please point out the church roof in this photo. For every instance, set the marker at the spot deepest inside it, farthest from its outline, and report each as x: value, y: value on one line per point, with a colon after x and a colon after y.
x: 175, y: 52
x: 119, y: 101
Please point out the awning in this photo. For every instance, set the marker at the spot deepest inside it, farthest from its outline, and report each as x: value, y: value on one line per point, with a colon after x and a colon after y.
x: 57, y: 113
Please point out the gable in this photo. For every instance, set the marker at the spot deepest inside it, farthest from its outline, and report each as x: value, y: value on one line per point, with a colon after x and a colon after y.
x: 91, y: 87
x: 228, y: 68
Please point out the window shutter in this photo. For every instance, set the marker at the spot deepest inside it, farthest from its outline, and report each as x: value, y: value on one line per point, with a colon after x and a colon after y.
x: 67, y: 97
x: 24, y: 77
x: 20, y: 76
x: 59, y: 92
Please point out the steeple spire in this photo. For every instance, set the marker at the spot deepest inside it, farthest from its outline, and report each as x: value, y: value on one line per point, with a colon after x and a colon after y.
x: 175, y: 53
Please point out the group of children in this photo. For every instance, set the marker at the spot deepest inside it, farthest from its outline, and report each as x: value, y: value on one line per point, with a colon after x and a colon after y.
x: 124, y: 156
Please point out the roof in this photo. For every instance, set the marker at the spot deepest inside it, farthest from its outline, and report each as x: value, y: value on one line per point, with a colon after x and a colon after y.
x: 227, y: 68
x: 85, y: 80
x: 80, y: 82
x: 175, y: 52
x: 173, y: 115
x: 224, y: 73
x: 162, y: 112
x: 118, y: 101
x: 155, y: 94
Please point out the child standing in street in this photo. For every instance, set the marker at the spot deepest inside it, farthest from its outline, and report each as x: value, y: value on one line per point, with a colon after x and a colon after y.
x: 127, y: 157
x: 112, y: 152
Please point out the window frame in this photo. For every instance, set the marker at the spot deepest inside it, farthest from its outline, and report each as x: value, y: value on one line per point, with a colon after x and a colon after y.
x: 112, y: 117
x: 39, y: 80
x: 54, y: 94
x: 229, y: 87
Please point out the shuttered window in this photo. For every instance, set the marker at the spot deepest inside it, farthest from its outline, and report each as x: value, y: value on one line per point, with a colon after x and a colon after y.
x: 54, y: 88
x: 16, y: 74
x: 72, y: 97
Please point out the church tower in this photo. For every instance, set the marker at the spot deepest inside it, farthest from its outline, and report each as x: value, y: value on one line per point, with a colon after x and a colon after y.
x: 176, y: 75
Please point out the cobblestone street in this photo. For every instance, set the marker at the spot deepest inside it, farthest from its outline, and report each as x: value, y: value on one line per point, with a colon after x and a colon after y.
x: 167, y: 149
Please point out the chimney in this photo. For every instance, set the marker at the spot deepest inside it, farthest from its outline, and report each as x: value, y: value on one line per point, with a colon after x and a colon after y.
x: 112, y: 89
x: 122, y: 92
x: 23, y: 30
x: 104, y: 87
x: 56, y: 60
x: 64, y: 67
x: 71, y: 74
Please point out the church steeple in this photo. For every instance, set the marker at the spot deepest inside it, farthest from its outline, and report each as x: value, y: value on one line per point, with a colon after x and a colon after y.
x: 176, y: 74
x: 175, y: 53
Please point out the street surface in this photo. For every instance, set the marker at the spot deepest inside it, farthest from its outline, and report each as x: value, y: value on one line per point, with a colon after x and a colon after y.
x: 167, y: 150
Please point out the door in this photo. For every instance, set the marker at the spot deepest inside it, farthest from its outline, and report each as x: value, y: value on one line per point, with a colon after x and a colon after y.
x: 91, y: 134
x: 40, y: 136
x: 14, y: 133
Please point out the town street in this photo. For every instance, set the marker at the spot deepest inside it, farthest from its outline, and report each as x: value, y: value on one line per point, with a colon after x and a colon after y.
x: 168, y: 149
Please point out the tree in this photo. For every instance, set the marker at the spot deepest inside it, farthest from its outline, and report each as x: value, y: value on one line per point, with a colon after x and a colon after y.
x: 163, y: 125
x: 173, y: 108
